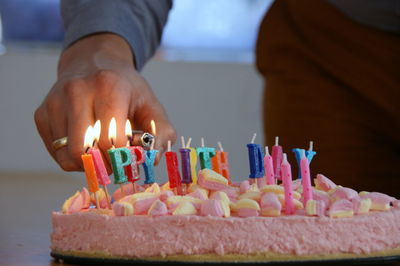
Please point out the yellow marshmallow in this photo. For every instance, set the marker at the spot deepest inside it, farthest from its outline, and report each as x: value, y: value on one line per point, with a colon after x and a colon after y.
x: 185, y: 208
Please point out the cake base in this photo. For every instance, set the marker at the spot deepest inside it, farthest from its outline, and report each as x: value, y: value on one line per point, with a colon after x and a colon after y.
x: 376, y: 258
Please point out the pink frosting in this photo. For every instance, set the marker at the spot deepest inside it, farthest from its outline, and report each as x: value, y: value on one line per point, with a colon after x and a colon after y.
x: 324, y: 183
x: 211, y: 208
x: 169, y: 235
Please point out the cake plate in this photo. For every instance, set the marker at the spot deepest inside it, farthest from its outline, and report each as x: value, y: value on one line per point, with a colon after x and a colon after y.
x: 378, y: 260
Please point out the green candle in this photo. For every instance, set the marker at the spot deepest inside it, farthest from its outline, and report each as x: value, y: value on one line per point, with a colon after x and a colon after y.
x: 120, y: 158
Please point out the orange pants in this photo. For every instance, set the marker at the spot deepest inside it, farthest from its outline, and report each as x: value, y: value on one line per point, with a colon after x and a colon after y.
x: 336, y: 82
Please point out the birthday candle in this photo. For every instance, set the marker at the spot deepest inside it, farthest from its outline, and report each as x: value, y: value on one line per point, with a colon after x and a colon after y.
x: 255, y: 159
x: 138, y: 158
x: 120, y: 158
x: 205, y: 154
x: 269, y: 168
x: 193, y: 161
x: 174, y: 177
x: 277, y: 158
x: 286, y: 174
x: 151, y: 154
x: 305, y: 179
x: 148, y: 166
x: 101, y: 171
x: 220, y: 163
x: 299, y: 154
x: 185, y: 163
x: 88, y: 165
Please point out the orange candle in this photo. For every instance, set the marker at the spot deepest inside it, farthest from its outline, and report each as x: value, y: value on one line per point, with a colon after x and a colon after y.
x: 88, y: 163
x: 220, y: 163
x: 90, y: 172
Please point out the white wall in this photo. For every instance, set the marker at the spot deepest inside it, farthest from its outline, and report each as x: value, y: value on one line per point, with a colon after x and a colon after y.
x: 215, y: 100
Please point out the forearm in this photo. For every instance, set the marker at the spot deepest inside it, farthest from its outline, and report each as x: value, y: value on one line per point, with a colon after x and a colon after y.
x: 98, y: 51
x: 140, y: 23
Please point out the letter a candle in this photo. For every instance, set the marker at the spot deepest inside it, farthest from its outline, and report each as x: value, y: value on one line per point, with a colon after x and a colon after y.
x: 88, y: 165
x: 101, y: 171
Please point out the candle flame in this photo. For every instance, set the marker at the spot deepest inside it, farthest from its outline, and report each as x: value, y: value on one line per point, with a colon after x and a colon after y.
x: 88, y: 138
x: 128, y: 129
x: 112, y: 131
x: 96, y: 130
x: 153, y: 127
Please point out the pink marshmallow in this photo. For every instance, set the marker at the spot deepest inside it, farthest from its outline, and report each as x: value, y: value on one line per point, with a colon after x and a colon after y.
x: 247, y: 212
x: 344, y: 193
x: 324, y: 183
x: 212, y: 208
x: 164, y: 195
x: 244, y: 186
x: 158, y: 208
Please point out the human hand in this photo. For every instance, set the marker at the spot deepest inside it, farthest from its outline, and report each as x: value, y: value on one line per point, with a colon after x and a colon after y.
x: 97, y: 80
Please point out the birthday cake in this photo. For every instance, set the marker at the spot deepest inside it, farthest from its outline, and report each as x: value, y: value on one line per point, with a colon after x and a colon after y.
x: 218, y: 221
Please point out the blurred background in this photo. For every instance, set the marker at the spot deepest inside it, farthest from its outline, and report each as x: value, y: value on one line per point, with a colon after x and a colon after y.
x: 205, y: 64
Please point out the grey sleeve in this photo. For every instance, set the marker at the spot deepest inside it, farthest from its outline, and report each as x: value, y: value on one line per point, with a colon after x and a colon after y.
x: 139, y: 22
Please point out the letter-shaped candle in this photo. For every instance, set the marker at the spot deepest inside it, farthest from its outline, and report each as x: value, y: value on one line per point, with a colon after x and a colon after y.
x: 205, y: 154
x: 193, y: 164
x: 255, y: 159
x: 299, y: 154
x: 174, y: 177
x: 305, y: 179
x: 286, y: 174
x: 138, y: 157
x: 120, y: 158
x: 101, y: 171
x: 185, y: 166
x: 148, y: 166
x: 269, y: 168
x: 277, y: 158
x: 220, y: 163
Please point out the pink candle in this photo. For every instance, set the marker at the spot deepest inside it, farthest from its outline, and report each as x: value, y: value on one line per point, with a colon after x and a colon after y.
x: 305, y: 179
x: 286, y: 174
x: 277, y: 158
x: 269, y: 168
x: 101, y: 170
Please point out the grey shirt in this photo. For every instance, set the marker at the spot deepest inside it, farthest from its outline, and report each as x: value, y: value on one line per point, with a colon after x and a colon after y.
x: 141, y: 22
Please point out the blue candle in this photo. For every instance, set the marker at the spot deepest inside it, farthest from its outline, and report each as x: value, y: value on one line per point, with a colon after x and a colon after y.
x: 120, y: 158
x: 148, y: 166
x: 256, y: 160
x: 299, y: 154
x: 185, y: 166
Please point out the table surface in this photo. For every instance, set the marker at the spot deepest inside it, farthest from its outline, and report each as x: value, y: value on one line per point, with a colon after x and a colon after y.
x: 26, y: 201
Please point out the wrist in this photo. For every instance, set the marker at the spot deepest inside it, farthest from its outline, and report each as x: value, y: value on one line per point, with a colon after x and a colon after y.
x: 99, y: 51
